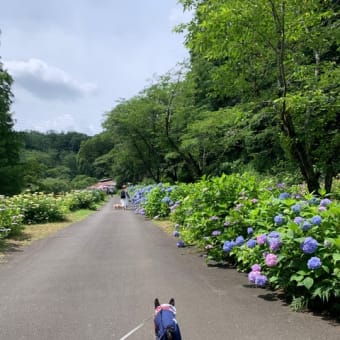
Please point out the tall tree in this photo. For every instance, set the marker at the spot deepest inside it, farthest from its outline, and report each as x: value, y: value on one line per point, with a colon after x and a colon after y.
x: 10, y: 168
x: 276, y: 54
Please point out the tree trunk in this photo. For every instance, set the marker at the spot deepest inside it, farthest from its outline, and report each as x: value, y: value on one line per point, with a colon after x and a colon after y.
x: 297, y: 148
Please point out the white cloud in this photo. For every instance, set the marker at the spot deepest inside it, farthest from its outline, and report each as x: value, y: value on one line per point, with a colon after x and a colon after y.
x: 65, y: 122
x: 47, y: 82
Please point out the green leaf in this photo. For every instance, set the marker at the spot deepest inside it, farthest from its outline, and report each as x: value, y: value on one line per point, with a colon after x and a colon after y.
x: 308, y: 282
x: 326, y: 269
x: 336, y: 257
x: 296, y: 277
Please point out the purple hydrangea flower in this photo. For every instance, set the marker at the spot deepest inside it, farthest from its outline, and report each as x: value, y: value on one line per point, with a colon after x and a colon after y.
x: 253, y: 275
x: 254, y: 200
x: 309, y: 245
x: 280, y: 185
x: 306, y: 226
x: 296, y: 208
x: 316, y: 220
x: 321, y: 209
x: 261, y: 280
x: 314, y: 263
x: 180, y: 244
x: 228, y: 246
x: 239, y: 240
x: 284, y: 196
x: 176, y: 233
x: 298, y: 220
x: 271, y: 260
x: 251, y: 243
x: 227, y: 223
x: 279, y: 219
x: 250, y: 230
x: 261, y: 239
x: 256, y: 267
x: 274, y: 244
x: 216, y: 233
x: 325, y: 202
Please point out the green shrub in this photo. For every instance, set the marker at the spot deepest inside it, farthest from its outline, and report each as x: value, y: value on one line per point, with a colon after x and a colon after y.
x: 39, y: 207
x: 83, y: 199
x: 10, y: 220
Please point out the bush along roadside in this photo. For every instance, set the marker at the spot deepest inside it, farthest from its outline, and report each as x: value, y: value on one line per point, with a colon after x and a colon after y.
x: 39, y: 208
x: 283, y: 238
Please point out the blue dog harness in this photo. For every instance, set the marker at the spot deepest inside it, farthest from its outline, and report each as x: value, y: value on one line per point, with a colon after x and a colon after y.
x: 165, y: 318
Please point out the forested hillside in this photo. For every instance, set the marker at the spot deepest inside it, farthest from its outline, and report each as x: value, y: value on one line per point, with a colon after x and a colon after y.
x: 50, y: 161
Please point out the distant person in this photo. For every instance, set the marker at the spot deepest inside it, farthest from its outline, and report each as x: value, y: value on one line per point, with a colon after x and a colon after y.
x: 124, y: 197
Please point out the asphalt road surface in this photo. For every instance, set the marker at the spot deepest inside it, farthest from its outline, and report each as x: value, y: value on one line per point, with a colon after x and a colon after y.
x: 97, y: 280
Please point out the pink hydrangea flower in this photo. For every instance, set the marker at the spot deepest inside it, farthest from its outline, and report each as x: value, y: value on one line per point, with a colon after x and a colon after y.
x: 261, y: 239
x: 271, y: 260
x: 256, y: 267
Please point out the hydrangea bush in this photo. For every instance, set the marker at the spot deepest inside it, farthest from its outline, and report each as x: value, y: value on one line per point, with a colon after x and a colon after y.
x: 284, y: 238
x: 10, y: 219
x: 34, y: 208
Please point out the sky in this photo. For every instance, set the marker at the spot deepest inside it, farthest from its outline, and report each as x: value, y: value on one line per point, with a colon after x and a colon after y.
x: 71, y: 61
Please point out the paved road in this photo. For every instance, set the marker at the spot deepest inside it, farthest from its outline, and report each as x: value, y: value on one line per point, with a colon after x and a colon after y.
x: 98, y: 278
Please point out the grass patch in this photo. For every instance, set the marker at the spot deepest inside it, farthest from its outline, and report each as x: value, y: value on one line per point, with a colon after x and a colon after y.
x: 35, y: 232
x: 166, y: 225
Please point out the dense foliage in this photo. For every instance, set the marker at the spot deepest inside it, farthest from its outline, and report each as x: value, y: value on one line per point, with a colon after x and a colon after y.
x: 283, y: 237
x: 50, y: 161
x: 33, y: 208
x: 260, y: 92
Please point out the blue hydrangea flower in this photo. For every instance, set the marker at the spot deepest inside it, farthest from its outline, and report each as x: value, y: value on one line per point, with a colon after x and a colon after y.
x: 296, y: 208
x: 316, y: 220
x: 216, y: 233
x: 274, y: 234
x: 314, y: 263
x: 298, y: 220
x: 284, y: 196
x: 309, y: 245
x: 228, y: 246
x: 167, y: 200
x: 314, y: 201
x: 261, y: 280
x: 325, y: 202
x: 279, y: 219
x: 251, y: 243
x: 250, y: 230
x: 306, y: 226
x: 176, y: 233
x: 239, y: 240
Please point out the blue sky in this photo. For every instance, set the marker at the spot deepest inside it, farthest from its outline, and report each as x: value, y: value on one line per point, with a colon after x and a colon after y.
x: 72, y: 60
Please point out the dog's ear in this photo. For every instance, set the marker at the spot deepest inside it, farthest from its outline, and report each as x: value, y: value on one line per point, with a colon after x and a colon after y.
x: 157, y: 304
x: 172, y: 302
